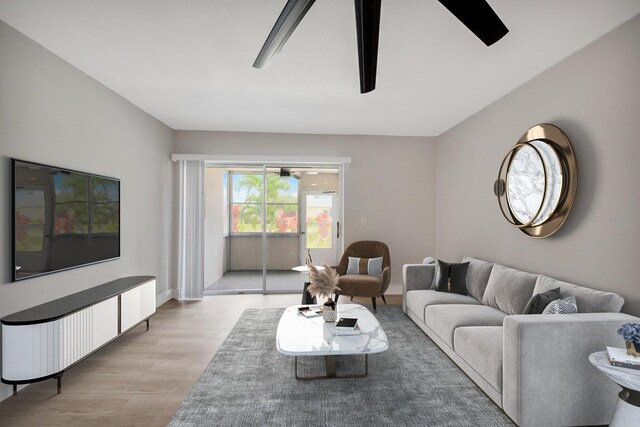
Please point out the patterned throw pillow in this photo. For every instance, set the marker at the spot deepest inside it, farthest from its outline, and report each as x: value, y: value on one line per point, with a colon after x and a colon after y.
x: 562, y: 306
x: 370, y: 266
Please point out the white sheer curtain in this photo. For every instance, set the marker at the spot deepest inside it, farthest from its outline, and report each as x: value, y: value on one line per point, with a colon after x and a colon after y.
x: 191, y: 230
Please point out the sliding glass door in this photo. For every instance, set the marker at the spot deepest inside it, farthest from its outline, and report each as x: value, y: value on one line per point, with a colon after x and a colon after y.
x: 256, y: 226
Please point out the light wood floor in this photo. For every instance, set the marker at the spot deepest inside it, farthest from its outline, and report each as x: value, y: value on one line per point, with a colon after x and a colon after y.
x: 141, y: 378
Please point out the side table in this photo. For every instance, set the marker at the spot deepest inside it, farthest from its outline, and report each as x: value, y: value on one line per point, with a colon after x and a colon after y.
x: 627, y: 412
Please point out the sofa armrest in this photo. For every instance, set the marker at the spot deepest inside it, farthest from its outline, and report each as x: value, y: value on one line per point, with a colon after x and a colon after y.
x: 416, y: 277
x: 547, y: 377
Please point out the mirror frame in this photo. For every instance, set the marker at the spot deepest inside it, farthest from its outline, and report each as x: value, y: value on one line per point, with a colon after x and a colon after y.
x: 559, y: 142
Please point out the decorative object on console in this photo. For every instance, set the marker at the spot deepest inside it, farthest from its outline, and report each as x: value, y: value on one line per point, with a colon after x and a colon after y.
x: 631, y: 334
x: 451, y: 277
x: 324, y: 283
x: 537, y: 181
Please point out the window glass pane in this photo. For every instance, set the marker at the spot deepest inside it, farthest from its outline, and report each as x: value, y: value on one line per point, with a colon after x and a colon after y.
x: 246, y: 218
x: 29, y: 220
x: 319, y: 221
x: 105, y: 206
x: 70, y: 188
x: 71, y: 218
x: 247, y: 188
x: 282, y: 189
x: 282, y: 218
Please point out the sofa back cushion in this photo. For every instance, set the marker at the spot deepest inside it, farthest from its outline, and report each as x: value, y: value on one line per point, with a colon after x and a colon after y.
x: 478, y: 274
x: 508, y: 289
x: 588, y: 300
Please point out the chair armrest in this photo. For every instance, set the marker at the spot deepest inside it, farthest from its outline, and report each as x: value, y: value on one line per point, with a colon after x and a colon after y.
x: 386, y: 279
x: 337, y: 269
x: 547, y: 376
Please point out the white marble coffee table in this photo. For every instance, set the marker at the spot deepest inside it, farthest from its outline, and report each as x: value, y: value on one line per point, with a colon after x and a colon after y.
x: 627, y: 412
x: 298, y: 335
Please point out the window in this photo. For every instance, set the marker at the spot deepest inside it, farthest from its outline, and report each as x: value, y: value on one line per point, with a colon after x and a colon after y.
x: 247, y: 203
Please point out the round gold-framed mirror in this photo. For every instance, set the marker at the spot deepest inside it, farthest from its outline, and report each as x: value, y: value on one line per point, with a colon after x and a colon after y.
x: 537, y: 181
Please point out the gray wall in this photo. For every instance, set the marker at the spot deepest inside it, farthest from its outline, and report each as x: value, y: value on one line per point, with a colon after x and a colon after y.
x: 52, y: 113
x: 391, y: 182
x: 594, y: 96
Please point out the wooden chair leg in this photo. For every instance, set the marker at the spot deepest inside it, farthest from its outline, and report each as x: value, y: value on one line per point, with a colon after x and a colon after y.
x: 351, y: 297
x: 384, y: 300
x: 373, y: 300
x: 336, y: 300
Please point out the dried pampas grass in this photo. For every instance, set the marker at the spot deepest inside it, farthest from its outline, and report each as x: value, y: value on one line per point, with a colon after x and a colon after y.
x: 323, y: 282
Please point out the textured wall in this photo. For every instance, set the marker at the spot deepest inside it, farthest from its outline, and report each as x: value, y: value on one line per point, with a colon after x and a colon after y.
x: 391, y: 182
x: 52, y: 113
x: 594, y: 96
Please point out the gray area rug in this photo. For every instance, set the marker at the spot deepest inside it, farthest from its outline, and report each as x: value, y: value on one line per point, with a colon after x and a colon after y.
x: 413, y: 383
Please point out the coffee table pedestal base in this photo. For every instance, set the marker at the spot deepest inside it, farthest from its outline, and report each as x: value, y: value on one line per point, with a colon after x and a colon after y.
x: 330, y: 366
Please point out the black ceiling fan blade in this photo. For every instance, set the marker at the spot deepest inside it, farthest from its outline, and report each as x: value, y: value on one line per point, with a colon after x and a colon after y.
x: 478, y: 16
x: 288, y: 20
x: 368, y: 29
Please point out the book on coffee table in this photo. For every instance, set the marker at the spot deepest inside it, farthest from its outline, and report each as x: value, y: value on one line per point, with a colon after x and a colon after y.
x: 619, y: 357
x: 344, y: 332
x: 310, y: 311
x: 347, y: 326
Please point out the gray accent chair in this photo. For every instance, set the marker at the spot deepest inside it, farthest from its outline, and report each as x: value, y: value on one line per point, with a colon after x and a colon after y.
x: 535, y: 366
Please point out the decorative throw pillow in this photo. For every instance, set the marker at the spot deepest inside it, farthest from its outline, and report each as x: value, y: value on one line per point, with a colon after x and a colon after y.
x: 451, y: 277
x: 539, y: 302
x: 562, y: 306
x: 370, y: 266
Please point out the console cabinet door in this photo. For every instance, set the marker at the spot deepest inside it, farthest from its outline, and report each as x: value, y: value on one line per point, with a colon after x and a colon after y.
x: 105, y: 322
x: 130, y: 309
x: 137, y: 304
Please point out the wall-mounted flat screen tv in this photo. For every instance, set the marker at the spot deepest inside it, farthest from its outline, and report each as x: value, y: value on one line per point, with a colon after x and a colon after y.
x: 62, y: 219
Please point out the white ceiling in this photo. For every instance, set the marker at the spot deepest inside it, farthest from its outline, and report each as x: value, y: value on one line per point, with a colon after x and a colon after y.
x: 188, y: 62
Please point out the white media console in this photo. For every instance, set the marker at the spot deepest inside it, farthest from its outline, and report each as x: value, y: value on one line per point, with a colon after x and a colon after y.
x: 43, y: 341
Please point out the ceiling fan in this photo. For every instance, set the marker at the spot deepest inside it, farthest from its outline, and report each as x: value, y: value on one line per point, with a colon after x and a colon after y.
x: 476, y: 15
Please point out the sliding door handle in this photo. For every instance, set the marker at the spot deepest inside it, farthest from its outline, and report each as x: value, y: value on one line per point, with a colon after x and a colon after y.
x: 338, y: 230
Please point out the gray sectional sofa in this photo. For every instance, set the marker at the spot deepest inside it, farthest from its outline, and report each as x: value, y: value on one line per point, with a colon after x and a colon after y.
x: 534, y: 366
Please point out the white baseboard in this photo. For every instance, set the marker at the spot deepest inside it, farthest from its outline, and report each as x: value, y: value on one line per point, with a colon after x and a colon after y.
x: 165, y: 296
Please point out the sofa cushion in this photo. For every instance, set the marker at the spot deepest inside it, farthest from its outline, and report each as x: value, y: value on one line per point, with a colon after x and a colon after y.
x: 477, y: 276
x: 481, y: 348
x: 445, y: 319
x: 588, y: 300
x: 539, y: 302
x: 417, y: 301
x: 508, y: 289
x: 451, y: 277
